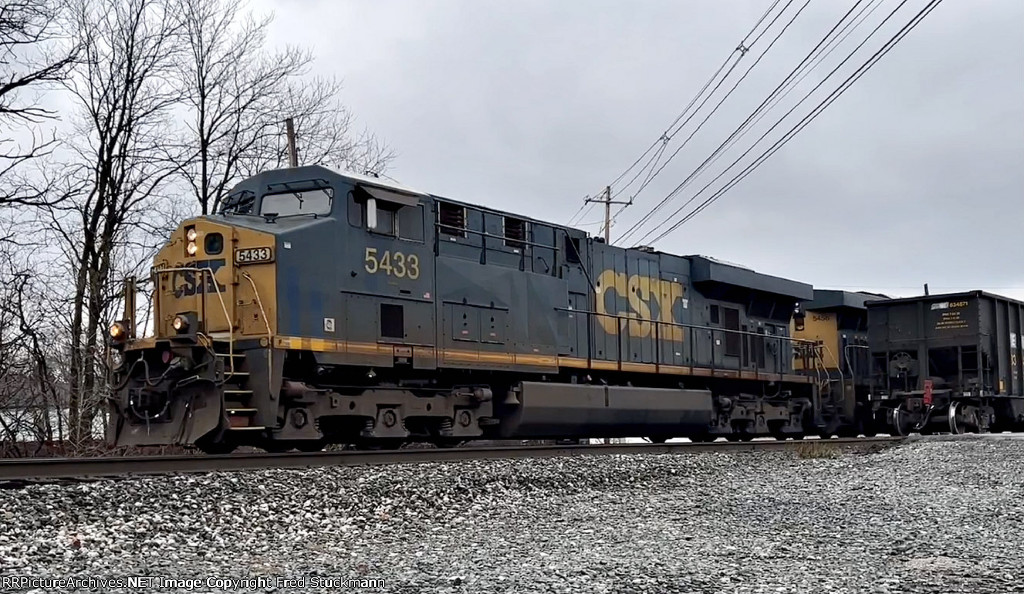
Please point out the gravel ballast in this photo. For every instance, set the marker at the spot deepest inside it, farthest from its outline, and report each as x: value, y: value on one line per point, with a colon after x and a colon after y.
x: 928, y: 516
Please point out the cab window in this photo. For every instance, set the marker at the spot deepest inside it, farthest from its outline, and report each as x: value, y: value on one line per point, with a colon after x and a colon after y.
x: 314, y: 202
x: 403, y: 222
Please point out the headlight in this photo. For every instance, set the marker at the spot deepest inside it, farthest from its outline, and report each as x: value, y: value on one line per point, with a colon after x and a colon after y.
x: 118, y: 331
x: 180, y: 324
x: 191, y: 235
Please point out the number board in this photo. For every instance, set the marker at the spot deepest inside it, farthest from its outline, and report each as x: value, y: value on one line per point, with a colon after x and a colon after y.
x: 254, y: 255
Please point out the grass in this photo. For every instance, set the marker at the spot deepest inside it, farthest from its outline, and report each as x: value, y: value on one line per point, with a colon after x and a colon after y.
x: 813, y: 451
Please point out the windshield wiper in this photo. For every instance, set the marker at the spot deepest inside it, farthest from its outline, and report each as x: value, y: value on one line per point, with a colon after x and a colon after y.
x: 273, y: 216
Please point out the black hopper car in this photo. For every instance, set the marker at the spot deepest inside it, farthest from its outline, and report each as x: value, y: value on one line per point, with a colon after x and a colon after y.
x: 947, y: 363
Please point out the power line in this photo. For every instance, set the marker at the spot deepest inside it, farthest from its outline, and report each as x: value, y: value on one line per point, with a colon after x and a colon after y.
x: 655, y: 160
x: 665, y: 137
x: 807, y: 119
x: 660, y: 205
x: 873, y: 5
x: 743, y: 49
x: 707, y: 161
x: 733, y: 137
x: 667, y: 134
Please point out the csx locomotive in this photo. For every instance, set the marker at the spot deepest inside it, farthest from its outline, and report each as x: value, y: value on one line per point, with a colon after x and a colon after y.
x: 318, y: 307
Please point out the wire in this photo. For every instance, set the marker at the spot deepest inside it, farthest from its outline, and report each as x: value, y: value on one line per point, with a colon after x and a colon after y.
x: 903, y: 32
x: 689, y: 178
x: 792, y: 85
x: 665, y: 136
x: 667, y: 131
x: 660, y: 205
x: 741, y: 48
x: 580, y: 213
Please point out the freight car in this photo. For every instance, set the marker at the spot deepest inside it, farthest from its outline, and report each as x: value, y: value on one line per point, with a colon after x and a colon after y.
x: 318, y: 308
x: 947, y: 363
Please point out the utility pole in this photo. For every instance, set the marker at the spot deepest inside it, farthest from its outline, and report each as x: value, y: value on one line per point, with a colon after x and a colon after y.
x: 606, y: 199
x: 293, y: 155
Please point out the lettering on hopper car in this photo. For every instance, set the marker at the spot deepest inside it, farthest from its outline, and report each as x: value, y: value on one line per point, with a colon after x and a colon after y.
x: 648, y: 299
x: 949, y: 305
x: 187, y: 283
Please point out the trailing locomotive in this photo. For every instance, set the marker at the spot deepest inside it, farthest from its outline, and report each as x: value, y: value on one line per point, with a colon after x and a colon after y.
x: 321, y: 308
x: 836, y: 322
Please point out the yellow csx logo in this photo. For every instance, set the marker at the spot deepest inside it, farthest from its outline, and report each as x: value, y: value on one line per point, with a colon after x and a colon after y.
x: 640, y: 293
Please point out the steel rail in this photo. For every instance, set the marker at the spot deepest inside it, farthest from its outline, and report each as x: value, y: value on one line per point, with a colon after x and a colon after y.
x: 35, y: 469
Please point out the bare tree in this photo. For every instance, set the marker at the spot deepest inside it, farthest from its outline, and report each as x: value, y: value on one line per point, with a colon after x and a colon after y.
x: 31, y: 59
x: 238, y: 95
x: 31, y: 392
x: 123, y: 85
x: 323, y: 132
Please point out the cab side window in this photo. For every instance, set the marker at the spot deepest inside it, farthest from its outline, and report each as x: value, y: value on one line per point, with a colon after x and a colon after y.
x: 404, y: 221
x: 410, y: 223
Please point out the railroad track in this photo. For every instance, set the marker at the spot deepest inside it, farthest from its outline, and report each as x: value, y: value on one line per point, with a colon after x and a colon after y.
x: 19, y: 472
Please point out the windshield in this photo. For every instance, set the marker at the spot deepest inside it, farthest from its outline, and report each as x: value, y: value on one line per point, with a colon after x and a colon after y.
x: 238, y: 203
x: 315, y: 202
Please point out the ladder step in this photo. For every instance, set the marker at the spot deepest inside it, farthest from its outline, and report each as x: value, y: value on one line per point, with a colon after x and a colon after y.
x: 238, y: 391
x: 247, y: 428
x: 242, y: 411
x: 230, y: 354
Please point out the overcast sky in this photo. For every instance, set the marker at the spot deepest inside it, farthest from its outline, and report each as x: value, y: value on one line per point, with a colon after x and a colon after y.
x: 914, y: 175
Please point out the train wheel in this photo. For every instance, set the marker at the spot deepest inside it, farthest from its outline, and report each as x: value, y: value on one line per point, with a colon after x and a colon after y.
x: 963, y: 419
x: 900, y: 421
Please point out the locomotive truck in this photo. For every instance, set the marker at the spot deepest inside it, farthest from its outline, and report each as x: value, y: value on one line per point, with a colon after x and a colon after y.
x: 317, y: 307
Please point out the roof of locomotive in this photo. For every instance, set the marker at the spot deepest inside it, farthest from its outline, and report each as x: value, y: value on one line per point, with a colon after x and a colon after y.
x: 707, y: 268
x: 835, y: 299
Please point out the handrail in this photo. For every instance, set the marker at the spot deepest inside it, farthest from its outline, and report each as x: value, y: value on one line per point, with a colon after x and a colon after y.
x: 438, y: 225
x: 223, y: 306
x: 266, y: 321
x: 798, y: 346
x: 681, y: 325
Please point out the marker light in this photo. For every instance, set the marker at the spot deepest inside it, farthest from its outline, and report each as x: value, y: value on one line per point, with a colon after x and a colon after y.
x: 180, y: 324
